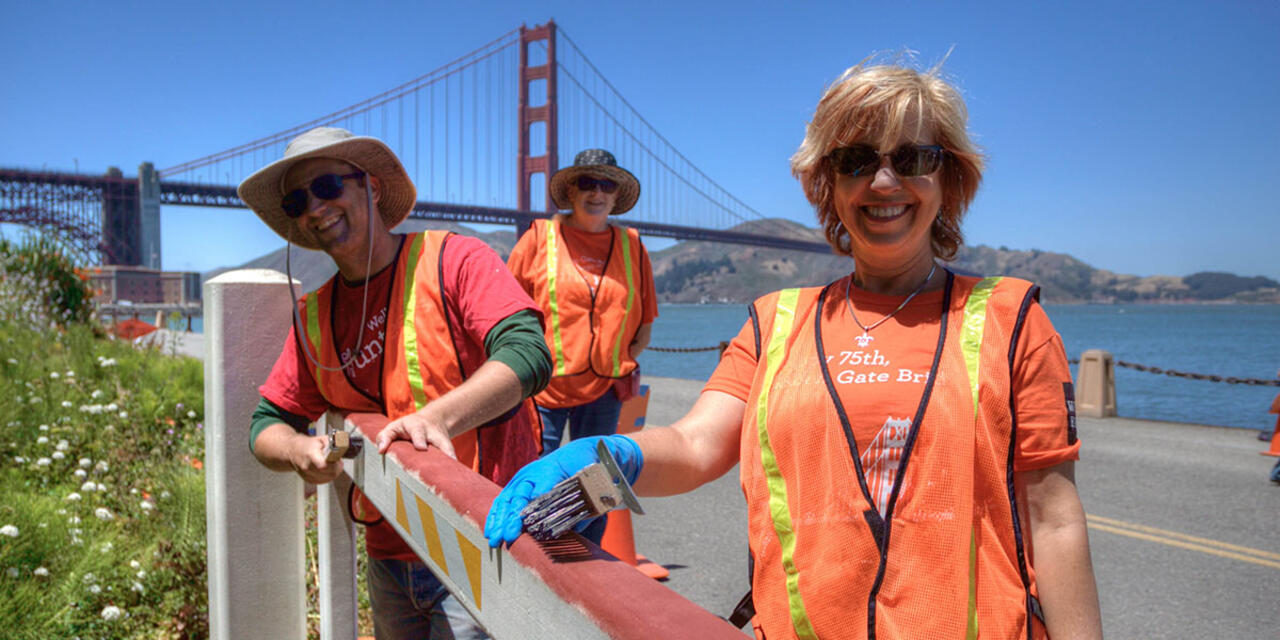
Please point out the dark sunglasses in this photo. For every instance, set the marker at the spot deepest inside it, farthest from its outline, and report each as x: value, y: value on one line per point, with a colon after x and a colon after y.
x: 587, y: 183
x: 325, y: 187
x: 908, y: 161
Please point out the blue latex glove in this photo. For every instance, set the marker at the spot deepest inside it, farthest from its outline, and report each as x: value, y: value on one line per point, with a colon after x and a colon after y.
x: 538, y: 477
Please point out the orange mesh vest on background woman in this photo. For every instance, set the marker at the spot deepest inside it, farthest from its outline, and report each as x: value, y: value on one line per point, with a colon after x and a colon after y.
x: 420, y: 362
x: 948, y: 560
x: 588, y: 331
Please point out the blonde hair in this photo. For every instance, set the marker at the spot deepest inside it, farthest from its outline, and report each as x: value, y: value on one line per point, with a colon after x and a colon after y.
x: 883, y: 100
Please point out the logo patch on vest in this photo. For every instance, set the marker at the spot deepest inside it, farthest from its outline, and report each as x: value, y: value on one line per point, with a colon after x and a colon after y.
x: 1069, y: 393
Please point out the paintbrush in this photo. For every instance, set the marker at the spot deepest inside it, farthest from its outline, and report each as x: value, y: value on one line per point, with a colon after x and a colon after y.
x: 592, y: 492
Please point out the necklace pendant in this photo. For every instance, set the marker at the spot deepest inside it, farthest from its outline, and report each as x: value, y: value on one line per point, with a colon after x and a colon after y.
x: 863, y: 339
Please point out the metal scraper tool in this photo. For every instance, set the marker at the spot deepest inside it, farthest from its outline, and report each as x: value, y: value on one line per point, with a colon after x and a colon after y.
x: 594, y: 491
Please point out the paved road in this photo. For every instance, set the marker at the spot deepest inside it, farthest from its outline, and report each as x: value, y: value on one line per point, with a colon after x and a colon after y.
x: 1184, y: 527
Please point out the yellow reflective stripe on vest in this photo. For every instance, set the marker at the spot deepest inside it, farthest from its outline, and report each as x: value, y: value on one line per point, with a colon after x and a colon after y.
x: 312, y: 309
x: 557, y: 347
x: 783, y: 324
x: 631, y: 296
x: 971, y: 329
x: 409, y: 333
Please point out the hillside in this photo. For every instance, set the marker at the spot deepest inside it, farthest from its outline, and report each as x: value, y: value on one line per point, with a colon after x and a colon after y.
x: 703, y: 272
x: 712, y: 272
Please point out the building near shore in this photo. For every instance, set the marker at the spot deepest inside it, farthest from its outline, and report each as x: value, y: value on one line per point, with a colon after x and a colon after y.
x: 114, y: 284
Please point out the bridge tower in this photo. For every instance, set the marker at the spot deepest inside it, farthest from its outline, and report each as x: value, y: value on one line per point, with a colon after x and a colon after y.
x: 544, y: 113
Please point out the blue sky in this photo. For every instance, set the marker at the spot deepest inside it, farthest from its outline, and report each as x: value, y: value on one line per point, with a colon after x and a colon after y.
x: 1139, y: 137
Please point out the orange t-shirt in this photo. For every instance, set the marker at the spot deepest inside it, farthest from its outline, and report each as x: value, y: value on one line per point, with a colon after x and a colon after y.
x: 590, y: 253
x: 880, y: 380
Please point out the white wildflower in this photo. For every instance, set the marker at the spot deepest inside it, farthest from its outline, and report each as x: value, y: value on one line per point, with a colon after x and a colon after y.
x: 70, y: 374
x: 9, y: 530
x: 62, y: 512
x: 85, y: 462
x: 109, y: 428
x: 44, y: 525
x: 103, y: 513
x: 133, y: 491
x: 77, y: 531
x: 141, y: 574
x: 124, y: 415
x: 42, y: 440
x: 111, y: 612
x: 112, y: 408
x: 137, y: 586
x: 87, y: 487
x: 36, y: 400
x: 134, y: 564
x: 107, y: 362
x: 95, y: 589
x: 80, y: 474
x: 43, y: 462
x: 63, y: 445
x: 44, y: 427
x: 101, y: 467
x: 191, y: 414
x: 76, y: 541
x: 101, y: 487
x: 58, y: 455
x: 73, y: 519
x: 41, y: 572
x: 12, y: 361
x: 97, y: 393
x: 66, y: 404
x: 89, y: 578
x: 19, y: 459
x: 165, y: 494
x: 107, y: 547
x: 73, y: 496
x: 53, y: 375
x: 146, y: 506
x: 13, y: 572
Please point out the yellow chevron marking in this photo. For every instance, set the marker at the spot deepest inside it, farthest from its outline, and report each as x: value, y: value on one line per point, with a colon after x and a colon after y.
x: 428, y: 518
x: 401, y: 516
x: 471, y: 558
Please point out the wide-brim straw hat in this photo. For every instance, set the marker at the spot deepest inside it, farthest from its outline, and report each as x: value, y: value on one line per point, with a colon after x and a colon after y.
x: 600, y: 163
x: 263, y: 190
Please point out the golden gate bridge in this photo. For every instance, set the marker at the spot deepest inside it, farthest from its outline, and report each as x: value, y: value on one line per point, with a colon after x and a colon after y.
x: 531, y: 96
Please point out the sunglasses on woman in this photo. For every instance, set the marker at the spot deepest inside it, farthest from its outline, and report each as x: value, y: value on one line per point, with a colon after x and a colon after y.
x: 325, y: 187
x: 587, y: 183
x: 909, y: 160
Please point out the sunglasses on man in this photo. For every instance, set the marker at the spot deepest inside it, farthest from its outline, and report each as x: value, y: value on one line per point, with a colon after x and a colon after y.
x: 908, y: 161
x: 326, y: 187
x: 587, y: 183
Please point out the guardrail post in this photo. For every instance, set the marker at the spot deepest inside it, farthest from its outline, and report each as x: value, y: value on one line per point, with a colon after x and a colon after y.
x: 256, y: 550
x: 337, y: 552
x: 1096, y: 384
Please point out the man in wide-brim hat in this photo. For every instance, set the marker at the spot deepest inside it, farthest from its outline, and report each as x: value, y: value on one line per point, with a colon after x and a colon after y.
x: 602, y: 305
x: 470, y: 353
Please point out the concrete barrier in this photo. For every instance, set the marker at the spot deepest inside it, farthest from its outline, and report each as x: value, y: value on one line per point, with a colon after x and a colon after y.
x: 1096, y: 384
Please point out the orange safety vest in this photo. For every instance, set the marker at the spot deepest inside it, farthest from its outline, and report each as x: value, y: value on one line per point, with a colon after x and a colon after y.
x: 586, y: 330
x: 948, y: 559
x: 420, y: 362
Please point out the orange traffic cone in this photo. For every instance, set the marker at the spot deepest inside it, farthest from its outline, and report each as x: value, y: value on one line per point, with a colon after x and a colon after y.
x: 620, y: 541
x: 619, y: 538
x: 1274, y: 451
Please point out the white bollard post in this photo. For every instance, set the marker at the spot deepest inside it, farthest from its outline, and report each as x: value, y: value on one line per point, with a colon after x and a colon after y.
x: 256, y: 549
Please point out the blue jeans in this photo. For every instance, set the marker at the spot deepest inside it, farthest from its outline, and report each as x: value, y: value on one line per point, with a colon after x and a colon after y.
x: 409, y: 603
x: 596, y: 418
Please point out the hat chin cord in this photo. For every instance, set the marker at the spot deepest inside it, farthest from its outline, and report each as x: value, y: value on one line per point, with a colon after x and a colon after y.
x: 364, y: 305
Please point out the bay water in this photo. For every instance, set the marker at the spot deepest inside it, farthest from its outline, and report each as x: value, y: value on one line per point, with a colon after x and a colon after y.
x: 1226, y: 340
